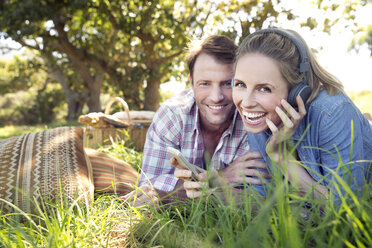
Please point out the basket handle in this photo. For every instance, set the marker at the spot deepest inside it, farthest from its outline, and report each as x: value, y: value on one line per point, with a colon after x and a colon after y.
x: 125, y: 105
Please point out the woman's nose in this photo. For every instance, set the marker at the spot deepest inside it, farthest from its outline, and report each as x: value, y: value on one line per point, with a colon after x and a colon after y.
x: 249, y: 100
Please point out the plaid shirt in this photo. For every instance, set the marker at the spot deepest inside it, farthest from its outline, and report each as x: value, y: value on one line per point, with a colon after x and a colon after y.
x: 176, y: 124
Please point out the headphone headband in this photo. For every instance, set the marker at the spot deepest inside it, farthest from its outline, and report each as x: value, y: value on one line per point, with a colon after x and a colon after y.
x: 304, y: 64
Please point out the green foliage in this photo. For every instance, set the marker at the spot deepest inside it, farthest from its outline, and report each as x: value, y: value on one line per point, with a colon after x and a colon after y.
x: 20, y: 74
x: 128, y: 48
x: 133, y: 44
x: 31, y: 107
x: 364, y: 38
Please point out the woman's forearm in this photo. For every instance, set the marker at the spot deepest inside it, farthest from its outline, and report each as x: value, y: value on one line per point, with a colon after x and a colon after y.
x: 298, y: 175
x: 304, y: 182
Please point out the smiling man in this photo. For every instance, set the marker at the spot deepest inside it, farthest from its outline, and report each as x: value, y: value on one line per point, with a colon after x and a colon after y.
x: 202, y: 123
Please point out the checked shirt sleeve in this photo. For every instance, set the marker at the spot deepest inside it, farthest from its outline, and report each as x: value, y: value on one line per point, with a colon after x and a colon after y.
x: 164, y: 131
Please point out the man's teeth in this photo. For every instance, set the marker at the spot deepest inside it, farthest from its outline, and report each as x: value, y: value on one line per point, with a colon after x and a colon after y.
x: 253, y: 115
x: 215, y: 106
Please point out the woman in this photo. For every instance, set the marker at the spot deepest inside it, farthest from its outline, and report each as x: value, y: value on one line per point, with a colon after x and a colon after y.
x: 328, y: 134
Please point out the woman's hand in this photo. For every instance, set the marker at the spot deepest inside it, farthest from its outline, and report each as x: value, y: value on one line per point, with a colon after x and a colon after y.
x: 246, y: 169
x: 283, y: 133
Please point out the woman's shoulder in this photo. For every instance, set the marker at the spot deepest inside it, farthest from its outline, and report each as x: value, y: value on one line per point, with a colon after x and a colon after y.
x: 334, y: 110
x: 328, y: 104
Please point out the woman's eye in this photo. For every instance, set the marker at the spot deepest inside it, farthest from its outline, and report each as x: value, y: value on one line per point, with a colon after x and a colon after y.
x: 239, y: 84
x: 265, y: 89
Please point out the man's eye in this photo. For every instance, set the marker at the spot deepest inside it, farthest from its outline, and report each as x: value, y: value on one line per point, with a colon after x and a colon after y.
x: 227, y: 83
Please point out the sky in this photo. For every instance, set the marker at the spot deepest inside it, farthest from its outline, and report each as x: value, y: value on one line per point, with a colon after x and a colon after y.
x: 354, y: 69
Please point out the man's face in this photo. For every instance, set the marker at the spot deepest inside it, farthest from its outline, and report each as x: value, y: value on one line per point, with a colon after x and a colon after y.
x: 211, y: 84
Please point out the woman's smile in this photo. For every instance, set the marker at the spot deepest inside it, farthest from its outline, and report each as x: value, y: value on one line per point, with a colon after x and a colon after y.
x: 253, y: 118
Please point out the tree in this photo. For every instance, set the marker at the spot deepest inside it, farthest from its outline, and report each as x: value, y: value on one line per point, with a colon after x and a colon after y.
x: 29, y: 95
x: 365, y: 37
x: 131, y: 43
x: 130, y: 46
x: 28, y: 23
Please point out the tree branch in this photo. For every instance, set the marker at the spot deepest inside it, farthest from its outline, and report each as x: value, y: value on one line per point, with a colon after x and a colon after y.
x: 78, y: 56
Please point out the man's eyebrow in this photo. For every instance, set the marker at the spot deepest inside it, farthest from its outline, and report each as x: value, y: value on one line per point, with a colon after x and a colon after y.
x: 203, y: 80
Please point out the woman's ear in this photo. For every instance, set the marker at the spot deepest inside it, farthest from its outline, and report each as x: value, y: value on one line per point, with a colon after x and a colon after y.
x: 190, y: 78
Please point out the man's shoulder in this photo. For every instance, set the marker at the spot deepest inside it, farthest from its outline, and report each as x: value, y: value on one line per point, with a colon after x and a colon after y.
x: 181, y: 102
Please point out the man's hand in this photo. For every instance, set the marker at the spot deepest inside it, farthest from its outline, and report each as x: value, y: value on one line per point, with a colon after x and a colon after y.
x: 246, y: 169
x: 193, y: 189
x: 144, y: 195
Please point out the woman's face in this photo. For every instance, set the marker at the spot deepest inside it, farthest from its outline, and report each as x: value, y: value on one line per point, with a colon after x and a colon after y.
x: 258, y: 89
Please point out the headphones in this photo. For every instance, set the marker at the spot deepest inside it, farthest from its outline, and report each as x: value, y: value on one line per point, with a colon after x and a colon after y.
x: 302, y: 88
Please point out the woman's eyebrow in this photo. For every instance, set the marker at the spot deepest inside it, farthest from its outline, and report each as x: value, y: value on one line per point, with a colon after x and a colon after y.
x: 237, y: 79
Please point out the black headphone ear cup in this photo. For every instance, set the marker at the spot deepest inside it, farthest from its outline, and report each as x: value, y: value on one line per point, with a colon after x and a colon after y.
x: 301, y: 89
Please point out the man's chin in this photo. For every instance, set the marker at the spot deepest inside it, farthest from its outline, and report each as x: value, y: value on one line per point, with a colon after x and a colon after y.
x: 218, y: 121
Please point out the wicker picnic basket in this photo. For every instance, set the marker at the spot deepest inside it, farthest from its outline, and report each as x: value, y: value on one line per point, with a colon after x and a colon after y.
x: 103, y: 128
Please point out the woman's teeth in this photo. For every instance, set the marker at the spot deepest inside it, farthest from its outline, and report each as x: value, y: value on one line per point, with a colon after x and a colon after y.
x: 253, y: 117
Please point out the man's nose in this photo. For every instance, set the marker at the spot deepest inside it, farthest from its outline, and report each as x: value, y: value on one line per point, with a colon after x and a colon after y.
x: 217, y: 94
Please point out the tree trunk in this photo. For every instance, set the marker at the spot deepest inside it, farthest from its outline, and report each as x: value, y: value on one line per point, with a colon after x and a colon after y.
x: 94, y: 101
x: 75, y: 106
x: 75, y: 100
x: 152, y: 94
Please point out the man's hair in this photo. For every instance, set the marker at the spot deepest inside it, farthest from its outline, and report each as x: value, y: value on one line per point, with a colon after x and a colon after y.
x: 221, y: 47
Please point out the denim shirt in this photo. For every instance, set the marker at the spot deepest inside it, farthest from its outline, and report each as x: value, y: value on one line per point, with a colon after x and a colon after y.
x: 327, y: 142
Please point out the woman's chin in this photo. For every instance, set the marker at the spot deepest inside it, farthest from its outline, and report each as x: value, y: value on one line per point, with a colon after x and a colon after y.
x: 255, y: 128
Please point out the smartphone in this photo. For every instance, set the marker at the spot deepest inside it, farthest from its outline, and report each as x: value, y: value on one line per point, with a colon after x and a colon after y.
x: 183, y: 161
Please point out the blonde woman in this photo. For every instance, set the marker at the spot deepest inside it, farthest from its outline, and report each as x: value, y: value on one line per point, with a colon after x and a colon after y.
x: 289, y: 102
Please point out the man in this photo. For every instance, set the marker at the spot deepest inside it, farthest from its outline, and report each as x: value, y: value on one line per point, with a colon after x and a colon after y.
x: 202, y: 123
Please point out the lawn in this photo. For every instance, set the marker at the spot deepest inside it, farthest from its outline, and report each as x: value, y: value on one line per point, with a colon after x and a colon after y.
x: 281, y: 220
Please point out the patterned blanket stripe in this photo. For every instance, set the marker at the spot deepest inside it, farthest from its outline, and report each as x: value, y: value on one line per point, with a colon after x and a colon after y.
x: 109, y: 171
x: 26, y: 172
x: 18, y: 199
x: 6, y: 169
x: 36, y: 164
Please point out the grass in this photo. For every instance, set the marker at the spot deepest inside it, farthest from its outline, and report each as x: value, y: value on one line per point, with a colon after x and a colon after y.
x: 11, y: 130
x: 281, y: 221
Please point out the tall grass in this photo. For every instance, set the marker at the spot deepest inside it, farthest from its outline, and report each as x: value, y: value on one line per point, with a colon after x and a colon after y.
x: 281, y: 220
